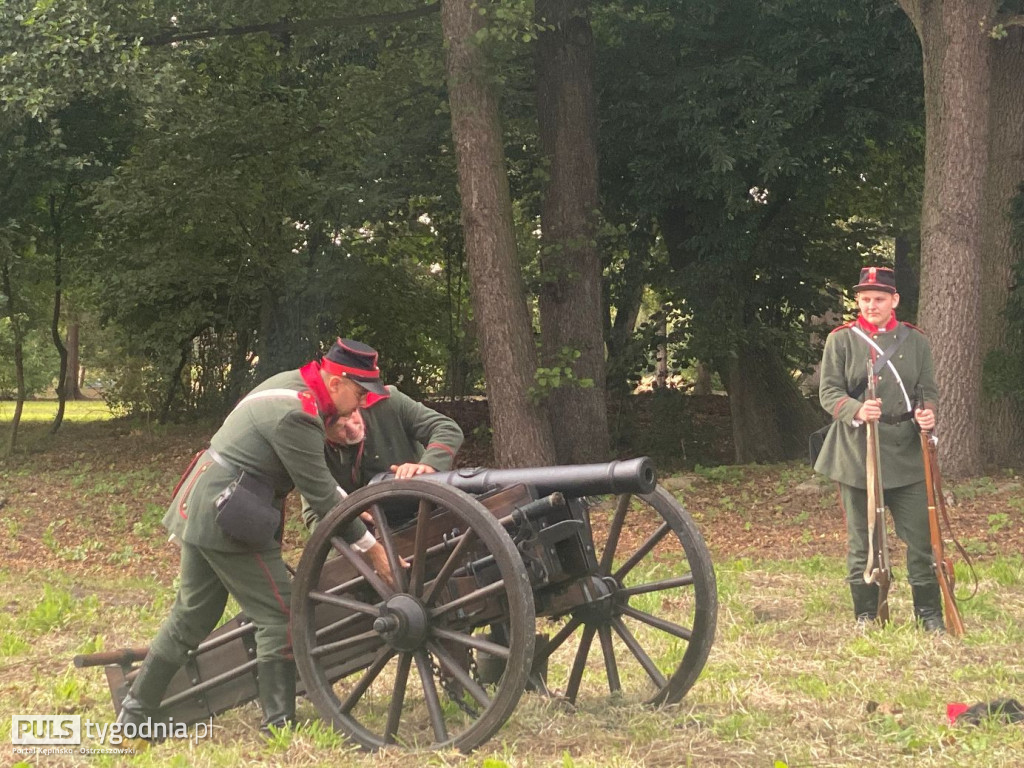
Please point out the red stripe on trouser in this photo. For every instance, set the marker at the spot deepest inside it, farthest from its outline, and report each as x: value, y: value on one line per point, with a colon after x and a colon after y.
x: 280, y: 601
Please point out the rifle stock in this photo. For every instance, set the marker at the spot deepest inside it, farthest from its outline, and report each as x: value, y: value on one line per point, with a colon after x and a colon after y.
x: 943, y: 566
x: 877, y: 570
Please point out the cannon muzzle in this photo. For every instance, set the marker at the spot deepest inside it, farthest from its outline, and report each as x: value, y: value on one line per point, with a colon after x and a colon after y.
x: 630, y: 476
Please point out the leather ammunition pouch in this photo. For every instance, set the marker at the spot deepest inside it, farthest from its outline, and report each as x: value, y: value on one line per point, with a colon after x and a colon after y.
x: 246, y: 512
x: 816, y: 440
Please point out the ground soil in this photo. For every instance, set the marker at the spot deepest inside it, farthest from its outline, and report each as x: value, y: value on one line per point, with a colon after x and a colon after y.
x: 88, y: 500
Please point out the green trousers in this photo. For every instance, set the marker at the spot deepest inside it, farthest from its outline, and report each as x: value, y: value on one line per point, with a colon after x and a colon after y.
x: 909, y: 507
x: 259, y: 582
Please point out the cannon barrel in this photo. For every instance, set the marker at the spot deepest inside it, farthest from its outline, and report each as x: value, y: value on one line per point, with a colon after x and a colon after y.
x: 630, y: 476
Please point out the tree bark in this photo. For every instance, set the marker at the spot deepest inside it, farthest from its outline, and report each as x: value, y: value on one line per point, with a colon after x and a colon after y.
x: 7, y: 284
x: 619, y: 332
x: 907, y: 278
x: 570, y: 295
x: 770, y: 418
x: 702, y: 382
x: 522, y: 434
x: 956, y: 47
x: 1002, y: 420
x: 58, y: 292
x: 72, y: 382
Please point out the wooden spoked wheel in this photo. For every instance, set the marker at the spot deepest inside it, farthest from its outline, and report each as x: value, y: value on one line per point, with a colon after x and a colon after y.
x: 396, y: 664
x: 646, y: 628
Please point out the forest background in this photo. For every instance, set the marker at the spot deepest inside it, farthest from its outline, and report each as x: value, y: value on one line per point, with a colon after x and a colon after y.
x: 540, y: 202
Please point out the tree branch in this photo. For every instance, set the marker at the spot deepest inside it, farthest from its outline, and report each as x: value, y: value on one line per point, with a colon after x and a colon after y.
x: 1016, y: 20
x: 303, y: 25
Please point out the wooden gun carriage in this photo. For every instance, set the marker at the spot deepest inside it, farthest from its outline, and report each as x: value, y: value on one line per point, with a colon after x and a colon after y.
x: 503, y: 581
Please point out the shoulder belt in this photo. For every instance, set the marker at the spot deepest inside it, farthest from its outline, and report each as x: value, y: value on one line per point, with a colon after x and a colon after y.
x: 885, y: 359
x: 305, y: 398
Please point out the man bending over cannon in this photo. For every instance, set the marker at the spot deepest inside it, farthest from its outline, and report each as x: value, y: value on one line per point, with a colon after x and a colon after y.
x: 389, y: 433
x: 227, y: 516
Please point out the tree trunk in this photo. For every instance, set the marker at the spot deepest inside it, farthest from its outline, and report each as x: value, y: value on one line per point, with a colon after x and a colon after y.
x: 702, y: 382
x: 907, y: 278
x: 19, y: 356
x: 72, y: 385
x: 522, y: 434
x: 570, y: 295
x: 239, y: 376
x: 619, y: 332
x: 661, y: 359
x: 58, y: 290
x: 173, y: 382
x: 770, y: 418
x: 956, y: 47
x: 1002, y: 420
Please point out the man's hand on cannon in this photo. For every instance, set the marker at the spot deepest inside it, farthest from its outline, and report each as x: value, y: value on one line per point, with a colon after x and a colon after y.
x: 404, y: 471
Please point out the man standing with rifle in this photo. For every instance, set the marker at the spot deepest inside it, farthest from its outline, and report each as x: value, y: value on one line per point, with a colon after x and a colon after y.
x: 901, y: 361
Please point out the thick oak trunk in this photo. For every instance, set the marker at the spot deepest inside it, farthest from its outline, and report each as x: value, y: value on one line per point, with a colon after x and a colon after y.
x: 956, y: 46
x: 1002, y: 419
x: 570, y: 296
x: 522, y: 434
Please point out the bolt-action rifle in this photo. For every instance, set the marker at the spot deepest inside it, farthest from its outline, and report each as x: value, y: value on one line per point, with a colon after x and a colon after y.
x: 937, y: 503
x: 878, y: 567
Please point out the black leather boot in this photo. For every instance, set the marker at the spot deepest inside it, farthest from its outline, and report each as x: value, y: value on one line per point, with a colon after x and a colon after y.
x: 142, y: 704
x: 276, y: 682
x: 865, y: 602
x: 928, y: 607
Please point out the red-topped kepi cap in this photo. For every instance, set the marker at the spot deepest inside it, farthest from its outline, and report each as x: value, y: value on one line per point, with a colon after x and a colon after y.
x: 356, y: 361
x: 876, y: 279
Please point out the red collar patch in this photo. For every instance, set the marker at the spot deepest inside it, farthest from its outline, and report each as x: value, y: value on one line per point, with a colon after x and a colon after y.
x: 872, y: 328
x: 372, y: 398
x: 310, y: 373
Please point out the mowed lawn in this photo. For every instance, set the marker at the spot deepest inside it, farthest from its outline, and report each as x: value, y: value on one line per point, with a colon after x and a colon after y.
x: 790, y: 681
x: 46, y: 410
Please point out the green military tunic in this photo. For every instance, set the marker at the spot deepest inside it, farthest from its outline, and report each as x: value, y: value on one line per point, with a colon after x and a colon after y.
x: 844, y: 453
x: 843, y: 367
x: 398, y: 430
x: 278, y: 438
x: 277, y: 435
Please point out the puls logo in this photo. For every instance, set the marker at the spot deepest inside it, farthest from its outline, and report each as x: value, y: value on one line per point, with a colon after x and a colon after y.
x: 46, y: 729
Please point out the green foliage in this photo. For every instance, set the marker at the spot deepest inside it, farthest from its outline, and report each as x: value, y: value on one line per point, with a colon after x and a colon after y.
x: 52, y: 50
x: 39, y: 361
x: 756, y: 150
x: 561, y: 374
x: 721, y: 474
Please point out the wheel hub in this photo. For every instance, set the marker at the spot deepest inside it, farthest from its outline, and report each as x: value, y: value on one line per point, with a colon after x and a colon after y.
x: 601, y: 605
x: 403, y: 623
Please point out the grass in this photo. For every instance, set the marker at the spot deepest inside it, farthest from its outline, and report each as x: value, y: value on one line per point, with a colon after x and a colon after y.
x: 790, y: 681
x: 45, y: 410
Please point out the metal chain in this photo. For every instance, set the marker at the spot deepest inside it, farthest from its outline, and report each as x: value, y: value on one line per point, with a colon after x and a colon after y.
x: 451, y: 686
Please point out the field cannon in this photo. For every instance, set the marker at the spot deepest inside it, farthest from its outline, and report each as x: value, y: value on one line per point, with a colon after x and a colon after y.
x: 571, y: 581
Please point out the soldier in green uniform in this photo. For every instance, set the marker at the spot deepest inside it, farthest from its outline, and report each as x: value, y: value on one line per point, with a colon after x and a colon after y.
x: 227, y: 515
x: 903, y: 363
x: 390, y: 433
